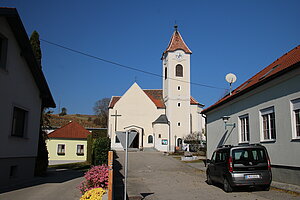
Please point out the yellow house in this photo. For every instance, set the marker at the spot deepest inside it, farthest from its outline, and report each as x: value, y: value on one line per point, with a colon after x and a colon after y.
x: 68, y: 144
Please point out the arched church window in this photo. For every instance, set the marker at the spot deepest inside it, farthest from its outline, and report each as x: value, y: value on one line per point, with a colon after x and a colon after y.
x: 150, y: 139
x: 166, y: 70
x: 179, y: 70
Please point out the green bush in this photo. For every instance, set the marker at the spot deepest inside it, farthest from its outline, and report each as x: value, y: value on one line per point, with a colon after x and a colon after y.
x: 101, y: 147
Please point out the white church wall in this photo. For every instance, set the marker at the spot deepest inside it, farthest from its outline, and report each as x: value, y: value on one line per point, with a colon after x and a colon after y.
x: 136, y: 109
x: 161, y: 137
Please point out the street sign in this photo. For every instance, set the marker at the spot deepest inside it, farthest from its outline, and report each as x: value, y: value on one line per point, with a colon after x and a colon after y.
x: 122, y: 137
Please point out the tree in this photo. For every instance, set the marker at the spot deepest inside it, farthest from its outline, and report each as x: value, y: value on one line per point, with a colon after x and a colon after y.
x: 35, y: 45
x: 101, y: 110
x: 63, y: 111
x: 41, y: 163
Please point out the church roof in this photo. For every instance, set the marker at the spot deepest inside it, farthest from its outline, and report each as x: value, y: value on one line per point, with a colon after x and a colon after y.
x: 71, y: 130
x: 176, y: 43
x: 156, y: 96
x: 285, y: 63
x: 195, y: 102
x: 162, y: 119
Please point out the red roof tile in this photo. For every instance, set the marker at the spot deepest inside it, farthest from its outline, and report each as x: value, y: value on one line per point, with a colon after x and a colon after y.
x: 195, y: 102
x: 70, y: 130
x: 281, y: 65
x: 177, y: 42
x: 113, y: 101
x: 156, y: 97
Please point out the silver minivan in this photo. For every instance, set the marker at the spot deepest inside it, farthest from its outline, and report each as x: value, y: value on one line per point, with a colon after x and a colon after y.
x: 242, y: 165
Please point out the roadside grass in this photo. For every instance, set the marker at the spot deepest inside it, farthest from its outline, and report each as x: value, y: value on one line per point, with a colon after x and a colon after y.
x: 72, y: 166
x: 286, y: 191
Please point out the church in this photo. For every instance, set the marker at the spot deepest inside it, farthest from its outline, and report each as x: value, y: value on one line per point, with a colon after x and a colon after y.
x: 161, y: 118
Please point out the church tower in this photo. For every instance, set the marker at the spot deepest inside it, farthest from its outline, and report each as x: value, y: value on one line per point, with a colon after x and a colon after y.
x: 176, y: 88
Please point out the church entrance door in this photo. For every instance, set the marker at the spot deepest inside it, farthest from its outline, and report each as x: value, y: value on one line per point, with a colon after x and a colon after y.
x: 135, y: 142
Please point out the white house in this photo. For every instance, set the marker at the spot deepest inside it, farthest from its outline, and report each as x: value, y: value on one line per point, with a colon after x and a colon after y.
x: 160, y: 117
x: 24, y: 92
x: 265, y: 110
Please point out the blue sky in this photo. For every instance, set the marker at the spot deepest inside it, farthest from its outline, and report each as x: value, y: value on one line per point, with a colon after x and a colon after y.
x: 239, y: 36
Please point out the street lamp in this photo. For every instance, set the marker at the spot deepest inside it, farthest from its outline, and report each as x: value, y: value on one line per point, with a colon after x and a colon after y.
x: 225, y: 120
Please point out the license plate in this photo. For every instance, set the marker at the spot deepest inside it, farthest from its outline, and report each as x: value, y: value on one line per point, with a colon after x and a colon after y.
x: 252, y: 176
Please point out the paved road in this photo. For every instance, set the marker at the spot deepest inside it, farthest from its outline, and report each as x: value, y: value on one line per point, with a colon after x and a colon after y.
x: 58, y: 185
x: 155, y: 176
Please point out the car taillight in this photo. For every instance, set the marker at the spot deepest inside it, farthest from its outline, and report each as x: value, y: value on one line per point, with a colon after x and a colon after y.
x: 230, y: 164
x: 269, y: 164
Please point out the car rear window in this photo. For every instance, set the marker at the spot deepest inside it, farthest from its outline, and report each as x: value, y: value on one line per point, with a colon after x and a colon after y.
x: 249, y: 157
x: 256, y: 155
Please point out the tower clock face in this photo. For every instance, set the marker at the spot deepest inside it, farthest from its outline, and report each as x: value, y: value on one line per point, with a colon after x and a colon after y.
x: 179, y: 56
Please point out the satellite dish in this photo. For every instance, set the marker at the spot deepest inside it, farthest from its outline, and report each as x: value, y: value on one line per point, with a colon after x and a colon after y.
x: 230, y: 78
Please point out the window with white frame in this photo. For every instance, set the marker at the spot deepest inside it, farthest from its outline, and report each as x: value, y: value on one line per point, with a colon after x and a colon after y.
x: 61, y: 149
x: 268, y: 124
x: 244, y: 128
x: 296, y: 118
x: 80, y: 149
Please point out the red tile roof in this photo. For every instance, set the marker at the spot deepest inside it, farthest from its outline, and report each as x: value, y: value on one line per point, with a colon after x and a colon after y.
x: 71, y: 130
x: 177, y: 42
x: 195, y: 102
x: 113, y: 101
x: 156, y: 97
x: 283, y: 64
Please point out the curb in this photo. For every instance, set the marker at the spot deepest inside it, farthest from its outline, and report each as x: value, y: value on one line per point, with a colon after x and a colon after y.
x: 286, y: 187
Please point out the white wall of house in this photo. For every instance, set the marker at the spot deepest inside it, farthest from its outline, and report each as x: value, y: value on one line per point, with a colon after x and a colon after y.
x: 284, y: 150
x: 17, y: 88
x: 70, y: 149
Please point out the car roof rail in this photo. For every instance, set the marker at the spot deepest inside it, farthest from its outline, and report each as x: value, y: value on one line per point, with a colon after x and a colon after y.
x: 225, y: 145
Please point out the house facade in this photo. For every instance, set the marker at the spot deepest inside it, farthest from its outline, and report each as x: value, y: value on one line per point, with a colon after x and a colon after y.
x: 265, y: 110
x: 161, y: 118
x: 24, y: 93
x: 68, y: 144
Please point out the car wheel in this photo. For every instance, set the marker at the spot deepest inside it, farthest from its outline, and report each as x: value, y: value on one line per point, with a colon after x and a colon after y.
x: 208, y: 179
x: 227, y: 186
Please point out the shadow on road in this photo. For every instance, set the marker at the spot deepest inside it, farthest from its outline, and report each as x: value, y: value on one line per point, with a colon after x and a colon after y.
x: 53, y: 176
x: 118, y: 183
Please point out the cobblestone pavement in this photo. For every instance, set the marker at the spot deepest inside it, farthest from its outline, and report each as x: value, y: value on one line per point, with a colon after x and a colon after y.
x: 154, y: 176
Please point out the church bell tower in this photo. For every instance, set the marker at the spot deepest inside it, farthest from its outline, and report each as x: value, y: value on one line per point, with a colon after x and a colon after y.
x: 176, y: 87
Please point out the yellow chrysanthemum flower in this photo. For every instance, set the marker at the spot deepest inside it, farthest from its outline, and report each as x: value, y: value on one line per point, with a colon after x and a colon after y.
x: 93, y: 194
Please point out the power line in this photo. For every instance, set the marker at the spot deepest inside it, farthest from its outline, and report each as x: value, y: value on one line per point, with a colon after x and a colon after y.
x: 123, y: 66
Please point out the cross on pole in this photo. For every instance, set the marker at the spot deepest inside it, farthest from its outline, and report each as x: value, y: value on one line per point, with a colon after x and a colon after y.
x: 116, y: 118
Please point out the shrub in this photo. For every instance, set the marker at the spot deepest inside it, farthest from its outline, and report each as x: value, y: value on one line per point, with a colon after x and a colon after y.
x: 94, y: 194
x: 96, y: 177
x: 101, y: 146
